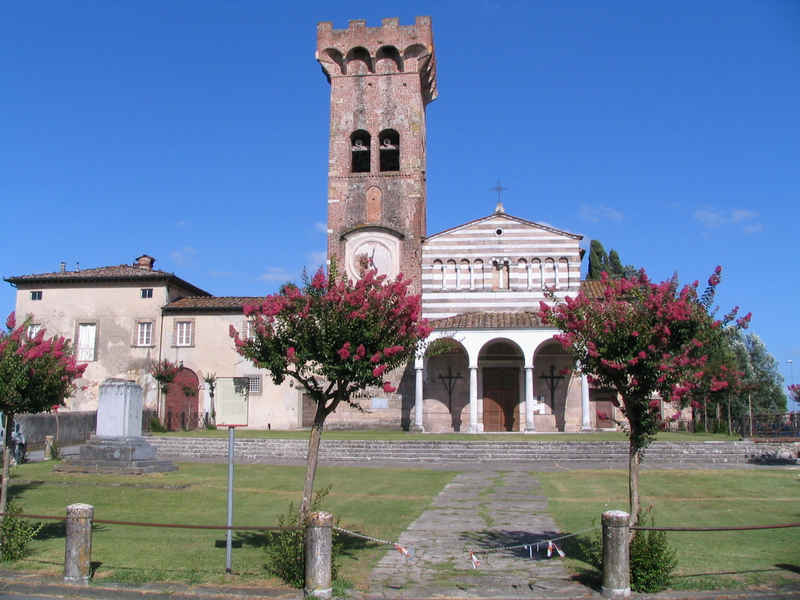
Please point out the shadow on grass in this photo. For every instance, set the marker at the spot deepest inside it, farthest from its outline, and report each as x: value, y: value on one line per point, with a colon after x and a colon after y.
x: 584, y: 548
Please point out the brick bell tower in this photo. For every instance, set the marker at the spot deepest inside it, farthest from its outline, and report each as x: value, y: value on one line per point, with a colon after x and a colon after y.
x: 382, y: 78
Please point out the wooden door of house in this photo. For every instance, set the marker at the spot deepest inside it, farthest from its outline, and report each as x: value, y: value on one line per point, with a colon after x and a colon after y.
x: 182, y: 403
x: 500, y: 399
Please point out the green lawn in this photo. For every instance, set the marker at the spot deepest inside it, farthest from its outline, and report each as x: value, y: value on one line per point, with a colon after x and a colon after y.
x: 391, y: 435
x: 381, y: 503
x: 699, y: 499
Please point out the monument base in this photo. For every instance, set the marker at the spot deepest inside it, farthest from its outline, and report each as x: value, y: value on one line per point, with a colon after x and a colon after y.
x: 121, y: 455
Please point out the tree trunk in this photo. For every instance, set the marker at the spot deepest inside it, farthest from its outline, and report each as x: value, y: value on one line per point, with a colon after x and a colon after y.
x: 634, y: 459
x: 9, y: 420
x: 311, y: 460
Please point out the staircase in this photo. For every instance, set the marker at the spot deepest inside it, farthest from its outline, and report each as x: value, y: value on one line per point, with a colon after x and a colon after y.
x: 422, y: 453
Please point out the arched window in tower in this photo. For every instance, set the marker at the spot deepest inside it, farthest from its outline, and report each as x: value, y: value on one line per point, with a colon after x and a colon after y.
x: 390, y: 150
x: 359, y: 151
x: 537, y: 277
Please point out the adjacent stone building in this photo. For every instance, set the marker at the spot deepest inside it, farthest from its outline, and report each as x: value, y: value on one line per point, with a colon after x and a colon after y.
x: 495, y: 366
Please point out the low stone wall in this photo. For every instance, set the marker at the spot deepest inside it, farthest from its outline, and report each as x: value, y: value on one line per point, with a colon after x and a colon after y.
x: 435, y: 451
x: 73, y: 427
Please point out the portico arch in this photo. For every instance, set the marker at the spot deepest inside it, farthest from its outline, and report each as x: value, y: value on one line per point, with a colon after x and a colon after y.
x: 500, y: 362
x: 446, y: 384
x: 556, y: 388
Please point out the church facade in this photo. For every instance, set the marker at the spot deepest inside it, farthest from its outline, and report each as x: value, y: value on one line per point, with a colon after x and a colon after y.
x: 491, y: 365
x: 481, y: 282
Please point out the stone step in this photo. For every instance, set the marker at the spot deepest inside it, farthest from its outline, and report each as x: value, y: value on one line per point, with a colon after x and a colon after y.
x: 441, y: 451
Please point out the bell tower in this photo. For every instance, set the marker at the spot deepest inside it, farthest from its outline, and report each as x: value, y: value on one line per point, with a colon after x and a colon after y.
x: 381, y: 78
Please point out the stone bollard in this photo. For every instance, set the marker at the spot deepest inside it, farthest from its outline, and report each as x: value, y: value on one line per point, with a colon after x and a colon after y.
x: 48, y: 447
x: 319, y: 539
x: 616, y: 560
x: 78, y: 552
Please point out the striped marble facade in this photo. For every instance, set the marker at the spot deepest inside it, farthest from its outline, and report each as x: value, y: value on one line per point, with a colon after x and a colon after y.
x: 498, y: 263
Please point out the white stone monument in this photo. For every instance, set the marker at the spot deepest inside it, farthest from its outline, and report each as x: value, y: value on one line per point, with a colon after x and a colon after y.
x: 118, y: 446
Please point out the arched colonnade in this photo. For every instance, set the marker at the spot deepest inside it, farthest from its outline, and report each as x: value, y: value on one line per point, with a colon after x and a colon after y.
x: 506, y: 370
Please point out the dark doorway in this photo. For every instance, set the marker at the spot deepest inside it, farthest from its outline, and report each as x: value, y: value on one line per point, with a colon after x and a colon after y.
x: 501, y: 399
x: 182, y: 402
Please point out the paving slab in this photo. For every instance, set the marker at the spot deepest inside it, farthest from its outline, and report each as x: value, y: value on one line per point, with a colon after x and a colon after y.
x: 479, y: 511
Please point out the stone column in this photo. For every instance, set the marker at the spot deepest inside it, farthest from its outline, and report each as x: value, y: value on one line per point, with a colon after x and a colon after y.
x: 586, y: 417
x: 418, y: 400
x: 319, y: 539
x: 530, y: 424
x: 48, y: 447
x: 78, y: 548
x: 473, y: 400
x: 616, y: 560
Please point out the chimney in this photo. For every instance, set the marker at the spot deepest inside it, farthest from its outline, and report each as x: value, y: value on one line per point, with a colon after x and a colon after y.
x: 145, y: 262
x: 62, y: 267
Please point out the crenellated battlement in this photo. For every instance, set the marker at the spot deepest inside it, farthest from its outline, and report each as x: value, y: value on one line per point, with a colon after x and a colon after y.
x: 391, y: 48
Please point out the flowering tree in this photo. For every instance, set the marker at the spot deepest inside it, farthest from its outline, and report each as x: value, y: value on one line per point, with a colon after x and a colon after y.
x: 794, y: 391
x: 164, y: 372
x: 334, y: 338
x: 36, y: 375
x: 643, y: 340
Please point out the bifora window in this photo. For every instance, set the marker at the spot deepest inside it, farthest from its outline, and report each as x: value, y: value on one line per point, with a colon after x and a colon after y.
x: 183, y: 333
x: 390, y: 150
x: 33, y: 329
x: 36, y: 295
x: 147, y: 292
x: 360, y: 151
x: 144, y: 333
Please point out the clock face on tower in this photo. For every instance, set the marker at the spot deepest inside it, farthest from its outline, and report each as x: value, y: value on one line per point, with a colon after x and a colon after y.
x: 376, y: 249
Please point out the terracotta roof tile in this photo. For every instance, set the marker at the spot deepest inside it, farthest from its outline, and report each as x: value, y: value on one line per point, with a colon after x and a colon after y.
x: 592, y: 288
x: 112, y: 273
x: 211, y: 303
x: 489, y: 320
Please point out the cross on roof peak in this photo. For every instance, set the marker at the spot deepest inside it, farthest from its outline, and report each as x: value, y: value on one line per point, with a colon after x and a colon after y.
x: 499, y: 189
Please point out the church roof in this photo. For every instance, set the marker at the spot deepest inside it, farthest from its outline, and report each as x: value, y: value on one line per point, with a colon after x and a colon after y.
x: 593, y: 288
x: 118, y: 273
x: 503, y: 215
x: 489, y: 320
x: 210, y: 304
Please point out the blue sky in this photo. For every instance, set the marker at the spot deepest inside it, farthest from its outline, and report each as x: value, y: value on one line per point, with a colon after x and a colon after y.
x: 197, y: 132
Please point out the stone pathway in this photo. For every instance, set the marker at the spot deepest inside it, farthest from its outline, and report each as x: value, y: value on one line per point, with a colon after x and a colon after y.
x: 477, y: 511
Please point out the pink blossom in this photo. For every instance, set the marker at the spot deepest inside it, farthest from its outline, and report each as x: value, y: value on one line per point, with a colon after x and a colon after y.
x: 378, y: 371
x: 11, y: 321
x: 291, y: 354
x: 344, y: 351
x: 376, y: 357
x: 388, y: 387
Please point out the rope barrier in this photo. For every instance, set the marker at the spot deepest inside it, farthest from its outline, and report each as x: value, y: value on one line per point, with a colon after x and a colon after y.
x: 406, y: 552
x: 548, y: 543
x: 165, y: 525
x: 742, y: 528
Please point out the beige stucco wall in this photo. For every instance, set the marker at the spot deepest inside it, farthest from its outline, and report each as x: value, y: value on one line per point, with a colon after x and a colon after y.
x: 213, y: 351
x: 115, y: 309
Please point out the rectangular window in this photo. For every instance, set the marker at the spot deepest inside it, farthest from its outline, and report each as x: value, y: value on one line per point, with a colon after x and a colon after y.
x: 147, y: 292
x: 254, y: 384
x: 183, y: 333
x: 144, y: 333
x: 33, y: 329
x: 87, y: 337
x: 36, y: 295
x: 249, y: 329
